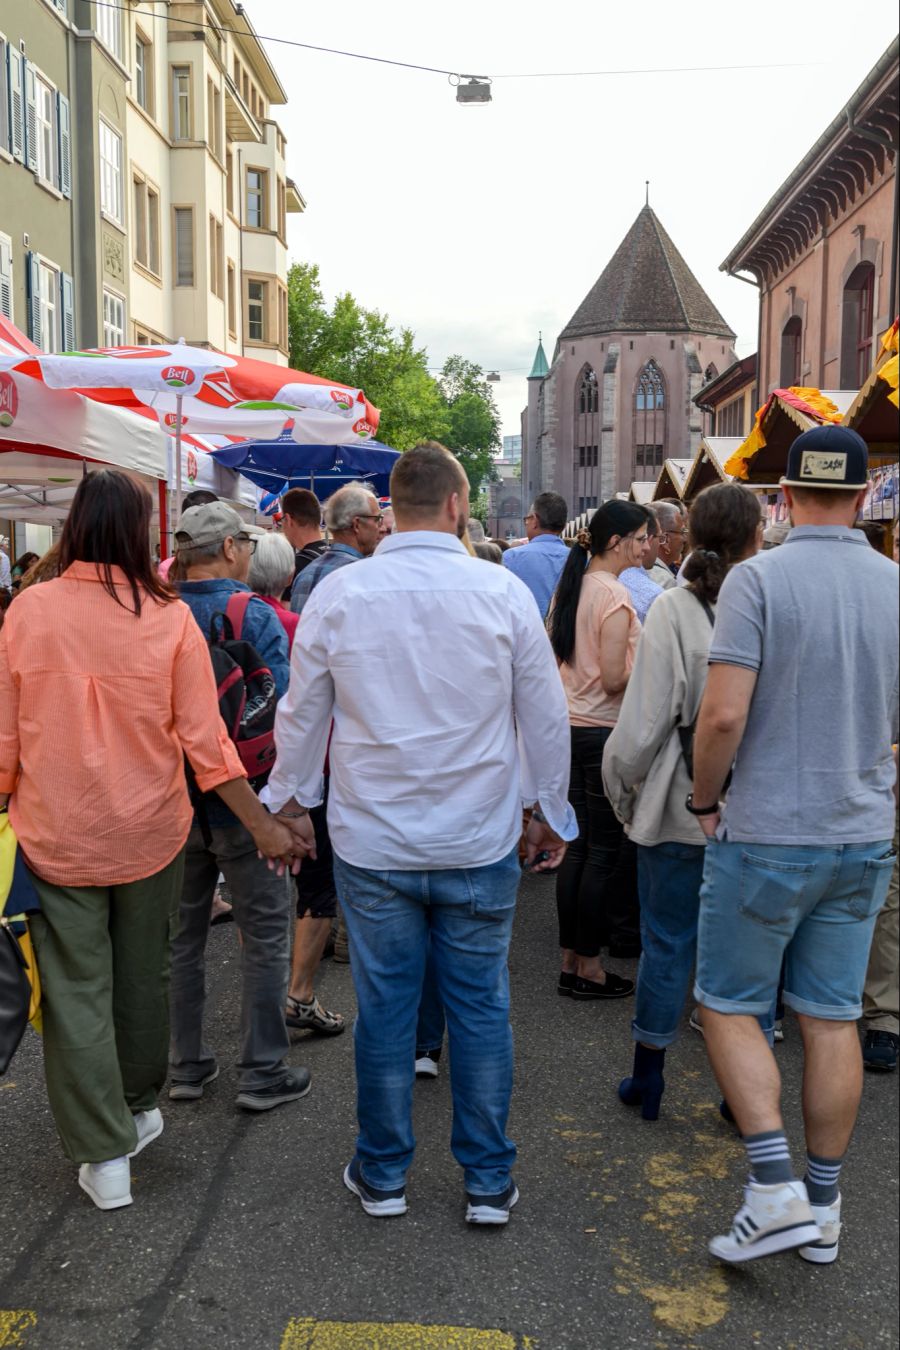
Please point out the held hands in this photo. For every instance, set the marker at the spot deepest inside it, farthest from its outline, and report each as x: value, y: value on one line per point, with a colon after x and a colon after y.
x: 286, y: 839
x: 540, y: 839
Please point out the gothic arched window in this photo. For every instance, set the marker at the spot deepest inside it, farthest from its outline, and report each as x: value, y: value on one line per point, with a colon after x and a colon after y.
x: 649, y: 422
x: 588, y: 398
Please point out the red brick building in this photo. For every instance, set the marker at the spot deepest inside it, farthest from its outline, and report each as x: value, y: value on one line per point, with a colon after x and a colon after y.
x: 823, y: 251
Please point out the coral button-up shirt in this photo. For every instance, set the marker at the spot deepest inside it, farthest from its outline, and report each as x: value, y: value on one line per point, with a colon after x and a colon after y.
x: 97, y: 709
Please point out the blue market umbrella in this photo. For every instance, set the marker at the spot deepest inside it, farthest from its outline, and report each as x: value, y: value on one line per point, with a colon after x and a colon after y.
x: 280, y: 464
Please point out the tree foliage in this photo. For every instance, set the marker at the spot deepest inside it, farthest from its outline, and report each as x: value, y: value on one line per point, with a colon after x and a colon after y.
x: 359, y: 347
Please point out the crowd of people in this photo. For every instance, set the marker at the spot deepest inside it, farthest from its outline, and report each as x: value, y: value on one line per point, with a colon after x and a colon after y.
x: 689, y: 725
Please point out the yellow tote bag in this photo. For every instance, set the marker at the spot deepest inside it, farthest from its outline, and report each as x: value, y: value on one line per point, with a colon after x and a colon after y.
x: 8, y: 846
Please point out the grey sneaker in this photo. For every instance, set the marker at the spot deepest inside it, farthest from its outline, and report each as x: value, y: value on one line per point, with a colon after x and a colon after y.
x: 295, y: 1084
x: 191, y: 1091
x: 493, y: 1209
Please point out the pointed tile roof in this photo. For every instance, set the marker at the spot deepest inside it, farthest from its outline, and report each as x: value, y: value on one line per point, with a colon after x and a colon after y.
x: 539, y: 367
x: 646, y: 287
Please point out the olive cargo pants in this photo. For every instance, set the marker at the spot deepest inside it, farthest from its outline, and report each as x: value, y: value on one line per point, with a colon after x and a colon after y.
x: 103, y: 957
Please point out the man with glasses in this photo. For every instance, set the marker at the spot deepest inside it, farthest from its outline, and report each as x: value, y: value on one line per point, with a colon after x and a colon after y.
x: 540, y: 562
x: 672, y: 542
x: 354, y: 522
x: 214, y: 548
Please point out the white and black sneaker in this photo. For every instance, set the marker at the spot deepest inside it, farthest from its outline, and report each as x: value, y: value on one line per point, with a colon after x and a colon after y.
x: 825, y: 1251
x: 295, y: 1084
x: 492, y: 1209
x: 772, y: 1219
x: 427, y: 1063
x: 379, y: 1204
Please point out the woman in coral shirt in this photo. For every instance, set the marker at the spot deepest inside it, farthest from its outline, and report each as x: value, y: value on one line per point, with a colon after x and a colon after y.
x: 105, y: 685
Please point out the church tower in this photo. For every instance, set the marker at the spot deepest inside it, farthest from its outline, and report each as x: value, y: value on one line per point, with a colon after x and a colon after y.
x: 617, y: 400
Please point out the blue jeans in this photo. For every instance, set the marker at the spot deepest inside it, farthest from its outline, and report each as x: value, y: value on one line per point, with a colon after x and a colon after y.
x: 467, y: 917
x: 669, y: 877
x: 432, y: 1022
x: 813, y: 906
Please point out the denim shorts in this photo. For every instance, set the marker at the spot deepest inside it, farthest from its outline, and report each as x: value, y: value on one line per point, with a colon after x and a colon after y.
x: 813, y: 906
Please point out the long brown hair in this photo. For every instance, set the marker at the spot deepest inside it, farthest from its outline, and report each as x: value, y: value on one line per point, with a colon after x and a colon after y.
x: 109, y: 525
x: 723, y: 522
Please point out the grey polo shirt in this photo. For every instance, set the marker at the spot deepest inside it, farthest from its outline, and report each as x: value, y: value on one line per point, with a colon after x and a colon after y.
x: 817, y: 619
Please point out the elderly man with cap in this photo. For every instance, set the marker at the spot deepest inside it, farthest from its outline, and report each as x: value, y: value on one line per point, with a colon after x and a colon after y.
x: 802, y: 700
x: 214, y: 548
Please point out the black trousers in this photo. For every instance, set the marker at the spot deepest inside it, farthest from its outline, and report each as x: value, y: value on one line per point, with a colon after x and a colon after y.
x: 596, y: 886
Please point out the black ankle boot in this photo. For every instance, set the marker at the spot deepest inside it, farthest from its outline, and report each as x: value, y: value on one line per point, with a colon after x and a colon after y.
x: 646, y: 1085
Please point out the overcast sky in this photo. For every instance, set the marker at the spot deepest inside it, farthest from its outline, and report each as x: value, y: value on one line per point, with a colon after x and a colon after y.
x: 479, y: 226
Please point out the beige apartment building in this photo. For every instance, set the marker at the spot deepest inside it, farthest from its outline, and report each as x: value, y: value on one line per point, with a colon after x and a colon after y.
x: 143, y: 188
x: 205, y: 186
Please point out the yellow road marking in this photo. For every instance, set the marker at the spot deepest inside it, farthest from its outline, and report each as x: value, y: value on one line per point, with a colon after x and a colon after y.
x: 14, y: 1326
x: 305, y: 1333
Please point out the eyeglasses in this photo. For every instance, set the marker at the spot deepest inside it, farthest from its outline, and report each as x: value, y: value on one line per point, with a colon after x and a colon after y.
x: 250, y: 540
x: 674, y: 531
x: 378, y: 518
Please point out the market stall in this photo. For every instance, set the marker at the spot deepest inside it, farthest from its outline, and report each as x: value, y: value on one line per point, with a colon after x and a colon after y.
x: 671, y: 480
x: 708, y: 465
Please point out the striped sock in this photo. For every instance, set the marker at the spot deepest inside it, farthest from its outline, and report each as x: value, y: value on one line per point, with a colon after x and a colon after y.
x: 822, y: 1179
x: 770, y: 1159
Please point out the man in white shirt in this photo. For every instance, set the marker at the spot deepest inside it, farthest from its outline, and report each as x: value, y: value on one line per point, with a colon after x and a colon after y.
x: 420, y: 658
x: 672, y: 541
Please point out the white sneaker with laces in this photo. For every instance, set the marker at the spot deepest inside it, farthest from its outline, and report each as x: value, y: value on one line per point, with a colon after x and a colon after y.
x: 149, y: 1126
x: 772, y: 1219
x: 107, y: 1183
x: 823, y: 1252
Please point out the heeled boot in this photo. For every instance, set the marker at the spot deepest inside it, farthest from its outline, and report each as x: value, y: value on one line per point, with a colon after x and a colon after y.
x: 646, y: 1085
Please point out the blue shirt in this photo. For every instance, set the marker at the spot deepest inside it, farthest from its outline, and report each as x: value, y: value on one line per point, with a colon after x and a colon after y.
x: 641, y: 587
x: 539, y: 564
x: 262, y: 629
x: 335, y: 556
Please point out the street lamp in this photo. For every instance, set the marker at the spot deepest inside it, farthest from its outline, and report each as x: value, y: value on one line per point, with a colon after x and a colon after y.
x: 472, y: 88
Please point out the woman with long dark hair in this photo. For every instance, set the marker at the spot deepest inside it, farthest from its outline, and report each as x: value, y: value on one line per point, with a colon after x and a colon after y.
x: 594, y: 632
x: 105, y: 685
x: 647, y: 775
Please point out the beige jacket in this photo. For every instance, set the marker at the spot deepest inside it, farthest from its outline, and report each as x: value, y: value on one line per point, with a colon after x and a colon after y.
x: 644, y: 772
x: 662, y: 575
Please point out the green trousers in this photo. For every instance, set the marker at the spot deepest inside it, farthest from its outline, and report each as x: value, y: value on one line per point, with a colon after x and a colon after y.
x: 103, y: 957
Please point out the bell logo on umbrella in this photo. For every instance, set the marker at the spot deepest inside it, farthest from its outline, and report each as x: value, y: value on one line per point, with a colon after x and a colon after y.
x: 364, y: 429
x: 342, y: 398
x: 192, y: 467
x: 9, y: 401
x: 178, y: 377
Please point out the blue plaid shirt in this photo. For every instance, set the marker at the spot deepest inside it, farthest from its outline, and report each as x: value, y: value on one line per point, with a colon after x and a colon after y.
x: 335, y: 556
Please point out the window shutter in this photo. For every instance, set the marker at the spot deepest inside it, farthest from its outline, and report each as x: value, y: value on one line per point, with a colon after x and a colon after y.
x: 184, y: 246
x: 6, y: 295
x: 30, y: 93
x: 34, y: 299
x: 67, y: 299
x: 16, y: 105
x: 4, y: 97
x: 64, y: 123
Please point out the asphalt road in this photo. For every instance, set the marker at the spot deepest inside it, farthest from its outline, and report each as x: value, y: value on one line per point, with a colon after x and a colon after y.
x: 242, y: 1237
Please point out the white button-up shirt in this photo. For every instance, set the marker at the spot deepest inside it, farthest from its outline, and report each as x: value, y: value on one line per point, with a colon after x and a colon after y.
x: 448, y: 710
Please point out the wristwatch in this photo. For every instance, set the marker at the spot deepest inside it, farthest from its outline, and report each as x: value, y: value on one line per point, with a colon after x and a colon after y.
x: 699, y: 810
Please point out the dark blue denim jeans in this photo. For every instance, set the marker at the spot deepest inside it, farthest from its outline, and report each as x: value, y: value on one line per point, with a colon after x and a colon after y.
x: 669, y: 880
x: 467, y: 917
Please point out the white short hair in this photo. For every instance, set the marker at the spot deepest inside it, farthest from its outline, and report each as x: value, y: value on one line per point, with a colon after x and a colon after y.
x: 353, y: 499
x: 272, y: 565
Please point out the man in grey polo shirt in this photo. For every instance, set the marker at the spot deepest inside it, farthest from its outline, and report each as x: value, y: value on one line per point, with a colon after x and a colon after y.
x: 802, y: 697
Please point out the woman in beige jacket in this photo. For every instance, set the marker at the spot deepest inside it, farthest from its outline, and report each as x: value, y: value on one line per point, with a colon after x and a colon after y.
x: 647, y: 777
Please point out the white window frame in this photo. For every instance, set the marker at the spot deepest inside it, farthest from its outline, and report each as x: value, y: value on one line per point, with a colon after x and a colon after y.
x: 47, y: 130
x: 108, y: 26
x: 114, y: 317
x: 143, y: 72
x: 50, y: 302
x: 263, y: 303
x: 111, y: 204
x: 261, y: 192
x: 182, y: 128
x: 7, y: 271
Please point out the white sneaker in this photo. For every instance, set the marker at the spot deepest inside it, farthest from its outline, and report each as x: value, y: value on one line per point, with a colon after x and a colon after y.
x: 427, y: 1065
x: 771, y: 1219
x: 149, y: 1126
x: 107, y: 1183
x: 823, y: 1252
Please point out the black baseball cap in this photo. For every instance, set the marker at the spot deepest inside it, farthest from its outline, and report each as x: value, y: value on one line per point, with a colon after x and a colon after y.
x: 828, y: 457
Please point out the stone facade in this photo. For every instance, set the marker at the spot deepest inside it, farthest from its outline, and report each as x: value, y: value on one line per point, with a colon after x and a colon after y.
x: 618, y: 398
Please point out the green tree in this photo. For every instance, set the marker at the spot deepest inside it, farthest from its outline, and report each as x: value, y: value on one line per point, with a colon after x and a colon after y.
x: 474, y: 431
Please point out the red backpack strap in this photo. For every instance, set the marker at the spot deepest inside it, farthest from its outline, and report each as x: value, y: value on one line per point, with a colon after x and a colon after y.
x: 236, y: 609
